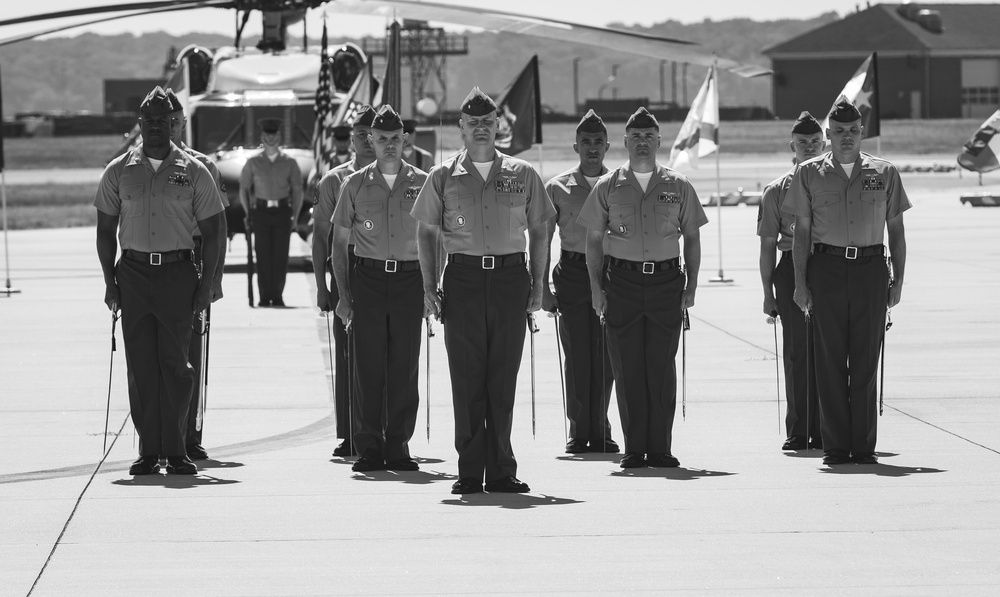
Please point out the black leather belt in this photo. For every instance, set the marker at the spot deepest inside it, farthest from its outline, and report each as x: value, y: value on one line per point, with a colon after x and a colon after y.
x: 646, y: 267
x: 850, y: 252
x: 390, y: 266
x: 488, y: 261
x: 272, y: 203
x: 159, y: 258
x: 574, y: 256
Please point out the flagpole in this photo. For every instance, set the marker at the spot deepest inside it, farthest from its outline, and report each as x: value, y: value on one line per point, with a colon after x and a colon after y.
x: 541, y: 161
x: 721, y: 278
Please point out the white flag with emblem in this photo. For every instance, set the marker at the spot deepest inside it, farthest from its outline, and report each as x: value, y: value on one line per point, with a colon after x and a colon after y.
x: 699, y: 135
x: 862, y: 89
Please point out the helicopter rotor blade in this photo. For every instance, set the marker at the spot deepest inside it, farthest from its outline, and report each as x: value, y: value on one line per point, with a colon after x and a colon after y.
x: 188, y: 6
x: 499, y: 21
x: 133, y: 6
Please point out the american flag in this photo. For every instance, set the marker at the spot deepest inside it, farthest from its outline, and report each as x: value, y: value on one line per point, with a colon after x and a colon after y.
x: 325, y: 118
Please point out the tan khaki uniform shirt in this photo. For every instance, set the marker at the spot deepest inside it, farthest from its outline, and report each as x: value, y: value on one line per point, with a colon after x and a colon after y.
x: 847, y: 212
x: 378, y: 217
x: 568, y: 192
x: 483, y: 217
x: 158, y: 211
x: 270, y: 181
x: 643, y: 226
x: 772, y: 222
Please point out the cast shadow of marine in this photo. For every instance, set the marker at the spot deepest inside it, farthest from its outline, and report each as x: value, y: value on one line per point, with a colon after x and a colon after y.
x: 880, y: 469
x: 212, y: 463
x: 421, y: 477
x: 508, y: 501
x: 674, y: 474
x: 173, y: 481
x: 591, y: 457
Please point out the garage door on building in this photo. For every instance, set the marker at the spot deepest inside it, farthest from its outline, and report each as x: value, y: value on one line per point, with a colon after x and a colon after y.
x: 980, y: 87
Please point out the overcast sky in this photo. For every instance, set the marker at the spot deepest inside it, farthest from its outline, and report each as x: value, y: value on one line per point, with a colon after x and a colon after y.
x: 592, y: 12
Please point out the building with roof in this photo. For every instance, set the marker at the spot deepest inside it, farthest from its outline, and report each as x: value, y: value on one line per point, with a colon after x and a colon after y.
x: 934, y: 61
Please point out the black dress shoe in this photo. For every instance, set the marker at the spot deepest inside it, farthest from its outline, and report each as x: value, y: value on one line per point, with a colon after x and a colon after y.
x: 264, y: 304
x: 576, y: 446
x: 796, y: 442
x: 507, y: 485
x: 836, y: 456
x: 662, y: 461
x: 633, y: 460
x: 368, y: 463
x: 344, y: 449
x: 145, y: 465
x: 605, y: 447
x: 402, y: 464
x: 180, y: 465
x: 467, y: 485
x: 865, y: 458
x: 196, y: 452
x: 278, y: 303
x: 816, y: 443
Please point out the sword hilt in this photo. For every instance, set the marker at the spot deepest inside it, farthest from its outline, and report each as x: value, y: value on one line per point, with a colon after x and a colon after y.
x: 532, y: 326
x: 685, y: 320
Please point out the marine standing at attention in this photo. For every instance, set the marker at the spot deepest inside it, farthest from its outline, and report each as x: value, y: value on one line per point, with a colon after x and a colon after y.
x: 271, y: 186
x: 844, y: 201
x: 775, y: 229
x: 482, y: 201
x: 150, y: 201
x: 327, y: 193
x: 382, y: 297
x: 641, y: 210
x: 588, y: 370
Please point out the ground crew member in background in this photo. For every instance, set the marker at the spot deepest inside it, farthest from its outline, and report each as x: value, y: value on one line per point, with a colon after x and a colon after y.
x: 150, y: 200
x: 178, y: 126
x: 327, y: 193
x: 482, y: 201
x: 843, y: 202
x: 641, y: 210
x: 271, y: 186
x: 342, y: 145
x: 588, y: 371
x: 412, y: 153
x: 382, y: 296
x: 775, y: 229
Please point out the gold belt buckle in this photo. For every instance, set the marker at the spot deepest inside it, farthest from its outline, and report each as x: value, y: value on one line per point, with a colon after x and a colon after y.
x: 272, y: 203
x: 390, y: 266
x: 156, y: 259
x: 851, y: 252
x: 648, y: 267
x: 488, y: 261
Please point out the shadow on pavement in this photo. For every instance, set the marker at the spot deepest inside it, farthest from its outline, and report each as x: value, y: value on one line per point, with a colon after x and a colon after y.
x: 508, y: 501
x: 879, y: 470
x: 675, y: 474
x: 173, y: 481
x: 212, y: 463
x: 406, y: 477
x: 591, y: 457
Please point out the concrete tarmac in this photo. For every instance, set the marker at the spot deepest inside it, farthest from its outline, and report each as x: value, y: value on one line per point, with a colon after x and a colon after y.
x: 273, y: 513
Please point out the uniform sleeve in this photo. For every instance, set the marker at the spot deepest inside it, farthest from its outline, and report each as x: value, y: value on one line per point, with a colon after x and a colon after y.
x: 898, y: 202
x: 594, y: 214
x: 326, y: 198
x: 539, y: 208
x: 296, y: 181
x: 692, y: 216
x: 429, y: 206
x: 207, y: 201
x: 217, y: 179
x: 768, y: 218
x: 107, y: 199
x: 552, y: 188
x: 798, y: 200
x: 343, y: 214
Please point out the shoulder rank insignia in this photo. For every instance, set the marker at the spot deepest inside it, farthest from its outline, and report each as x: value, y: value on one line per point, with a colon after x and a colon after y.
x: 669, y: 197
x: 411, y: 194
x: 509, y: 185
x: 179, y: 179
